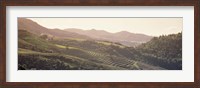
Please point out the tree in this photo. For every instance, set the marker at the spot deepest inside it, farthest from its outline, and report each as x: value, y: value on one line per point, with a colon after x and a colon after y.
x: 44, y: 37
x: 66, y: 47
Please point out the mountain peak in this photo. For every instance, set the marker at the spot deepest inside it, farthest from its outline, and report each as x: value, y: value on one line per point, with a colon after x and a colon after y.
x: 93, y: 30
x: 123, y: 32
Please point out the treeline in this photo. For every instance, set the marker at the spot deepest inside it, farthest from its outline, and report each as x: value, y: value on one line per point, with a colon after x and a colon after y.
x: 164, y: 51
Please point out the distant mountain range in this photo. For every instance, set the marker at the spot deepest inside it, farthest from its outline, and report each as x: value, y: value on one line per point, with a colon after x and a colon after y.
x: 119, y: 36
x: 123, y: 37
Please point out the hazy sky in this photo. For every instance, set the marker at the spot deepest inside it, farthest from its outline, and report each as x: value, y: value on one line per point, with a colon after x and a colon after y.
x: 149, y: 26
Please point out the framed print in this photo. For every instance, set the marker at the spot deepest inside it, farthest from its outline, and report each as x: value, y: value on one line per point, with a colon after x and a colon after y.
x: 91, y: 43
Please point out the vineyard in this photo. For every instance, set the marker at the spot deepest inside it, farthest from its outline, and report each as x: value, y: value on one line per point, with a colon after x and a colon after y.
x: 37, y: 53
x: 41, y: 48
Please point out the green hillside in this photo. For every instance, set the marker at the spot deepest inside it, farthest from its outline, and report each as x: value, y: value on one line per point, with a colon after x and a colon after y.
x: 164, y: 51
x: 43, y: 52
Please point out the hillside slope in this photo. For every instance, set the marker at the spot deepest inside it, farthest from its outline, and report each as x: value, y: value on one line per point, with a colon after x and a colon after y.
x: 165, y: 51
x: 70, y: 54
x: 33, y: 27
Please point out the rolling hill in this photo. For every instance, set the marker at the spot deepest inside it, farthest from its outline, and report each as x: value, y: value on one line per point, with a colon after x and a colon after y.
x: 123, y: 37
x: 38, y: 50
x: 73, y: 54
x: 33, y: 27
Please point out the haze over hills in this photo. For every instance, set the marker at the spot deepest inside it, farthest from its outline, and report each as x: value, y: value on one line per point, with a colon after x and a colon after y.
x: 123, y: 37
x: 40, y: 48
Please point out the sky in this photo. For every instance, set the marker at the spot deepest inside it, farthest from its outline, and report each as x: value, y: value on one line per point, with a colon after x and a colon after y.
x: 148, y: 26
